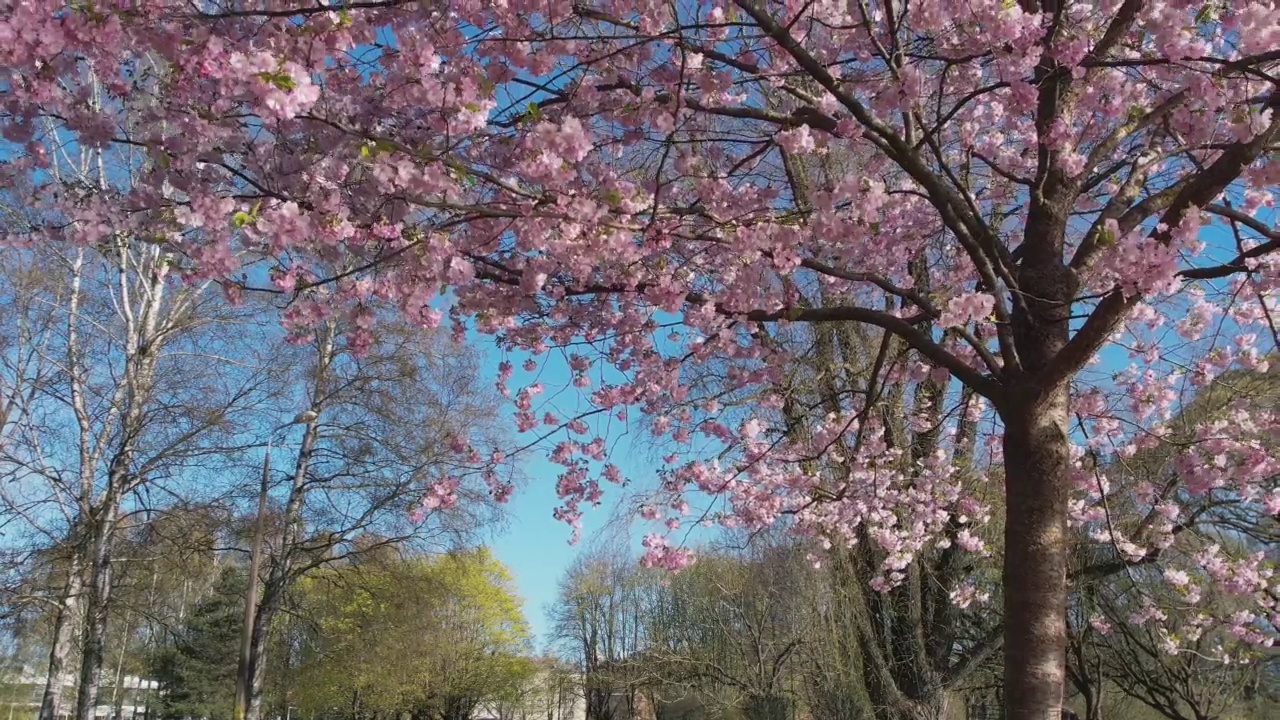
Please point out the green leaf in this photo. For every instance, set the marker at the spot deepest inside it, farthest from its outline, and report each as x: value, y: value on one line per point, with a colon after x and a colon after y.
x: 88, y: 9
x: 243, y: 218
x: 278, y: 79
x: 374, y: 148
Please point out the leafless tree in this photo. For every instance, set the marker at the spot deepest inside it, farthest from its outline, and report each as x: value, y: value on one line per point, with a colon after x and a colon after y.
x: 731, y: 627
x: 127, y: 387
x: 598, y: 623
x: 375, y: 429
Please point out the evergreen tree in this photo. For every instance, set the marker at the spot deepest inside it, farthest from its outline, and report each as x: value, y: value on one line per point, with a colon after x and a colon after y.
x: 197, y: 673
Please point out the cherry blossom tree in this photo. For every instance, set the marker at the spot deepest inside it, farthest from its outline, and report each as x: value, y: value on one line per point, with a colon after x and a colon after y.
x: 1148, y: 627
x: 1062, y: 209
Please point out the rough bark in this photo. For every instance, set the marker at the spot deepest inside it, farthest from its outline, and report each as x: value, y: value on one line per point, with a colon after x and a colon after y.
x: 1037, y: 462
x: 1035, y: 567
x: 1035, y: 408
x: 66, y: 623
x: 97, y: 611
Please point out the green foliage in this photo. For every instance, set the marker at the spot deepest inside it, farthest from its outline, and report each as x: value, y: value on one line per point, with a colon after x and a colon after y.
x: 197, y: 673
x: 428, y: 636
x: 279, y: 80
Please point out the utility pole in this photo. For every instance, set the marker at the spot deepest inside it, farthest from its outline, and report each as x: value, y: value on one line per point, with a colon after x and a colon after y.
x: 243, y: 678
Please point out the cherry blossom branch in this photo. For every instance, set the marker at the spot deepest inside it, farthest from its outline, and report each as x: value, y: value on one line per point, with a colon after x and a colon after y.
x: 1116, y: 30
x: 984, y: 385
x: 1245, y: 219
x: 1195, y: 190
x: 916, y: 338
x: 317, y: 9
x: 979, y: 242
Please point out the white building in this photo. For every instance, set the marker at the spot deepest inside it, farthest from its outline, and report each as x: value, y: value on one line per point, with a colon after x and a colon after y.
x: 26, y: 688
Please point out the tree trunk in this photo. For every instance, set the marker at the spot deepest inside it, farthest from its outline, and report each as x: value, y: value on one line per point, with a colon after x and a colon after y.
x: 598, y: 701
x: 280, y: 575
x: 258, y: 656
x: 66, y: 622
x: 457, y: 709
x: 119, y: 693
x: 244, y: 672
x: 93, y: 641
x: 1087, y: 686
x: 1036, y: 461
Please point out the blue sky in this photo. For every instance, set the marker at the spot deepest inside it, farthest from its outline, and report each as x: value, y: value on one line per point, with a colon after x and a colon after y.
x: 532, y: 543
x: 535, y: 546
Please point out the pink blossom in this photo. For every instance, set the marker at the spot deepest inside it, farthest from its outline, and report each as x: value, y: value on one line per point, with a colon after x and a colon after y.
x: 966, y: 308
x: 644, y: 220
x: 798, y: 141
x: 968, y: 542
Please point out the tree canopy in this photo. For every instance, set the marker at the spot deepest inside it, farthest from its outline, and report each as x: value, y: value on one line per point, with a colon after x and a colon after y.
x: 434, y: 637
x: 197, y: 672
x: 1052, y: 219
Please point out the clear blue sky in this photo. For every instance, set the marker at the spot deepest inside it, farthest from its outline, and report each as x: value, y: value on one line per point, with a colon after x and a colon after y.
x: 535, y: 546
